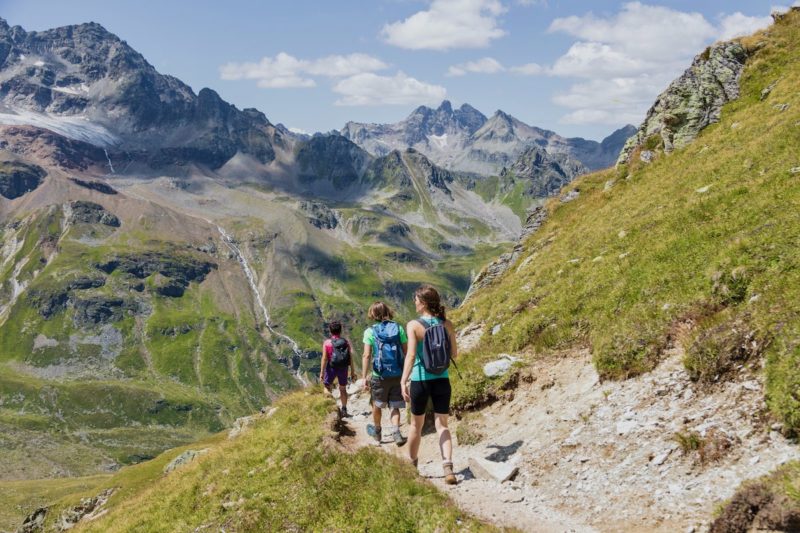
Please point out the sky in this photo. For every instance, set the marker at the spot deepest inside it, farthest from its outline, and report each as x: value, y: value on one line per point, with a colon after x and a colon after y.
x: 580, y: 68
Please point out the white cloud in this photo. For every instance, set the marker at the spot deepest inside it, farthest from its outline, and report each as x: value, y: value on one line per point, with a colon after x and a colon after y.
x: 528, y: 69
x: 285, y: 71
x: 631, y: 56
x: 592, y: 59
x: 738, y: 25
x: 370, y: 89
x: 612, y: 101
x: 542, y: 3
x: 642, y: 31
x: 486, y: 65
x: 448, y: 24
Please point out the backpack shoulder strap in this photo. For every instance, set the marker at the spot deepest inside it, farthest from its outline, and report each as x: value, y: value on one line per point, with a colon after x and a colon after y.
x: 425, y: 323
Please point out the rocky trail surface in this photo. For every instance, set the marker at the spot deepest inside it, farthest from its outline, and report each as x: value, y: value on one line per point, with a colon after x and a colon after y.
x: 653, y: 453
x: 508, y: 505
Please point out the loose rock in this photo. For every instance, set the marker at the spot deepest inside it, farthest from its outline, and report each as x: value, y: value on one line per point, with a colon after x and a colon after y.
x: 491, y: 471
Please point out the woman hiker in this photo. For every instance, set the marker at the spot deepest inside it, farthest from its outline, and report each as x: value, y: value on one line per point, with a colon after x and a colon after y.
x: 385, y: 345
x: 425, y: 374
x: 336, y: 358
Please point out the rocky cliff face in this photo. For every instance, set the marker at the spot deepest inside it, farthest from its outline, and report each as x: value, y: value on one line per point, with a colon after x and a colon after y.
x: 693, y: 101
x: 543, y: 173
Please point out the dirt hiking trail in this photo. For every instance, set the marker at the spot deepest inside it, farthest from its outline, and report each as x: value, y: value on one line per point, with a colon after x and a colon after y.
x: 594, y: 456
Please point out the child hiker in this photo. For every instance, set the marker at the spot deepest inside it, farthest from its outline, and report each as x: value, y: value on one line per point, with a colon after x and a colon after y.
x: 385, y: 344
x: 336, y: 359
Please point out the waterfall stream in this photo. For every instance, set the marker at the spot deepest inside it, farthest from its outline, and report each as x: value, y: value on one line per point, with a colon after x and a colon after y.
x: 251, y: 279
x: 109, y: 160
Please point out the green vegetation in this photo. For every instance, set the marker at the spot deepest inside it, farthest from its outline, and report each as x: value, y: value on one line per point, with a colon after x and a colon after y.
x: 771, y: 503
x: 22, y: 497
x: 286, y: 473
x: 706, y: 236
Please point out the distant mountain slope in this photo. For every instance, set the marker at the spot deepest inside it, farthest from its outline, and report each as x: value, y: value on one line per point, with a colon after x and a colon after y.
x: 466, y: 140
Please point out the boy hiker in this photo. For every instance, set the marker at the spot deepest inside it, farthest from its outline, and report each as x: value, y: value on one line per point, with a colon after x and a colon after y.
x: 336, y: 359
x: 384, y: 343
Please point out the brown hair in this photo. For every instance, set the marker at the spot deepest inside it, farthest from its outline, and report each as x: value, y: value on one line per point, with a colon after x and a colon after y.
x: 429, y: 297
x: 380, y: 311
x: 335, y: 327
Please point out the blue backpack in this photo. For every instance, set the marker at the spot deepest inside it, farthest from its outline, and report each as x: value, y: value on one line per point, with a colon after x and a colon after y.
x: 388, y: 361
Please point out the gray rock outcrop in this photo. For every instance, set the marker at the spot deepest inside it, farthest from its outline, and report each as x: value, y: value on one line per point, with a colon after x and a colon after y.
x: 17, y: 179
x: 319, y: 215
x: 693, y: 101
x: 92, y: 213
x: 183, y: 459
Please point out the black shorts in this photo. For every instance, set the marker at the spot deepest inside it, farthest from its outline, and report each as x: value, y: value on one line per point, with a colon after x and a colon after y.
x: 438, y: 390
x: 386, y: 392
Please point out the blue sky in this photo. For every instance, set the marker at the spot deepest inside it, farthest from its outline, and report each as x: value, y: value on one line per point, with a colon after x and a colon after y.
x: 576, y: 67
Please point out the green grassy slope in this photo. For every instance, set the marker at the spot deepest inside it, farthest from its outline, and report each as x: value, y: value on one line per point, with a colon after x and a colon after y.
x: 707, y: 234
x: 286, y: 473
x: 698, y: 248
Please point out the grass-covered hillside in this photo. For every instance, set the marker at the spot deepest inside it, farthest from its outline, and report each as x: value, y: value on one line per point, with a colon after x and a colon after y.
x: 117, y: 341
x: 290, y: 472
x: 698, y: 248
x: 706, y: 235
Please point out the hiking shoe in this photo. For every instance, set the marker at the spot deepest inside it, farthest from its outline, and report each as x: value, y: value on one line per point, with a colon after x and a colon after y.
x: 449, y: 476
x: 398, y: 437
x: 345, y: 414
x: 374, y: 432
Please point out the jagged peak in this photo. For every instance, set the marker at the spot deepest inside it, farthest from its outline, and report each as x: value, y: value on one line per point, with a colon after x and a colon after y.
x: 500, y: 114
x: 446, y: 107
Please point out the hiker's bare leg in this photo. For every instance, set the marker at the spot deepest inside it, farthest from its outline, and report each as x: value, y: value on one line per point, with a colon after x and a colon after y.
x: 343, y: 395
x: 396, y: 418
x: 445, y: 443
x: 377, y: 414
x: 415, y: 435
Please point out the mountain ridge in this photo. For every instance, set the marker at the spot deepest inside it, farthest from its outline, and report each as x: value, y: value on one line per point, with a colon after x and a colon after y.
x: 467, y: 140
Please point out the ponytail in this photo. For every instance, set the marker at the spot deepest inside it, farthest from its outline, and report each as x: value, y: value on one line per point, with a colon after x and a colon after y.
x: 429, y: 297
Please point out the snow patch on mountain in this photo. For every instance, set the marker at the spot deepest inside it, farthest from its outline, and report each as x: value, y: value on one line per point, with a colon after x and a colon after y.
x: 75, y: 127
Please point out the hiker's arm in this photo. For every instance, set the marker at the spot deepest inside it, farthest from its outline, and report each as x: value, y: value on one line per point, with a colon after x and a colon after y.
x: 352, y: 365
x: 323, y: 364
x: 365, y: 363
x: 451, y: 332
x: 408, y: 363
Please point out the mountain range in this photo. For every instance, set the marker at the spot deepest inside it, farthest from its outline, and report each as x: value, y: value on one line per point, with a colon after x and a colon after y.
x: 465, y: 139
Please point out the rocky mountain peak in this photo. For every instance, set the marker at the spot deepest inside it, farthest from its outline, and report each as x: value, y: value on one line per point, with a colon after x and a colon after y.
x: 85, y: 83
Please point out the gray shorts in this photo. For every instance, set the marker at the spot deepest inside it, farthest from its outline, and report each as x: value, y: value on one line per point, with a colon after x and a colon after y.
x: 386, y: 393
